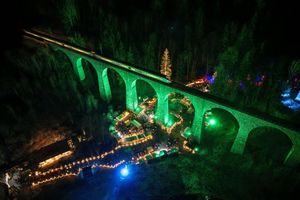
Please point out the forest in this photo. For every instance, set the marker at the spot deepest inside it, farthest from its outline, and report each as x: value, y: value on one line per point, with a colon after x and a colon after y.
x: 243, y: 41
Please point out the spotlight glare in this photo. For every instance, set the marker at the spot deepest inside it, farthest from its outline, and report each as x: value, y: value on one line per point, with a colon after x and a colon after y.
x: 212, y: 121
x: 124, y: 171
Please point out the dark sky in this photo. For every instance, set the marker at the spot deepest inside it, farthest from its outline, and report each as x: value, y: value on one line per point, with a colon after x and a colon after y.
x: 278, y: 27
x: 14, y: 16
x: 283, y: 31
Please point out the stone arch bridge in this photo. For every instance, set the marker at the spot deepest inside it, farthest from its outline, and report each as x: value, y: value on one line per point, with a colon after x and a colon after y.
x: 202, y: 102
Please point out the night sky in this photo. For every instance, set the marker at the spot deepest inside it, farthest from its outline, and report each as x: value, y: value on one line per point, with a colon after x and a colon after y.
x: 281, y: 33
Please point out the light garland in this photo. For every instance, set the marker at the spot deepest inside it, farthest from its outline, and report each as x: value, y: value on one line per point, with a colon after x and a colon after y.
x: 122, y: 140
x: 143, y: 157
x: 135, y: 142
x: 106, y: 166
x: 76, y: 166
x: 72, y: 164
x: 170, y: 129
x: 199, y: 81
x: 54, y: 178
x: 185, y: 147
x: 92, y: 158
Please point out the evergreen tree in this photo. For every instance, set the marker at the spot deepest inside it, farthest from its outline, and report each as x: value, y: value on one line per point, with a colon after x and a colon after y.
x: 165, y: 67
x: 78, y: 40
x: 294, y: 68
x: 69, y: 15
x: 111, y: 35
x: 149, y: 58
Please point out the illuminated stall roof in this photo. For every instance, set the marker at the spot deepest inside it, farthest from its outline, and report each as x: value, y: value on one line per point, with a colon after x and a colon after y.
x: 136, y: 123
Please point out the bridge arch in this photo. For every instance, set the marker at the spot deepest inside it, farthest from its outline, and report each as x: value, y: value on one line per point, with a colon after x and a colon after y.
x: 180, y: 104
x: 219, y: 129
x: 113, y: 78
x: 266, y: 143
x: 140, y: 89
x: 75, y: 60
x: 88, y: 72
x: 144, y: 89
x: 63, y: 59
x: 88, y: 86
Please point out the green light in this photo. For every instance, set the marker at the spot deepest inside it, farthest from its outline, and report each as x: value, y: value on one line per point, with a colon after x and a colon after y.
x: 156, y: 155
x: 174, y: 150
x: 196, y: 149
x: 138, y: 109
x: 212, y: 121
x: 187, y: 133
x: 161, y: 153
x: 170, y: 123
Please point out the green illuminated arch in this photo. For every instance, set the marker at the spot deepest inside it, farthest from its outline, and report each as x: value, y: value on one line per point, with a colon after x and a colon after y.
x: 63, y: 59
x: 107, y: 84
x: 135, y: 91
x: 58, y: 53
x: 269, y: 141
x: 219, y: 126
x: 182, y: 105
x: 90, y: 82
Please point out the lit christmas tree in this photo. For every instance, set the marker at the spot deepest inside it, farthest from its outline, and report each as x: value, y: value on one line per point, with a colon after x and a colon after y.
x: 165, y: 67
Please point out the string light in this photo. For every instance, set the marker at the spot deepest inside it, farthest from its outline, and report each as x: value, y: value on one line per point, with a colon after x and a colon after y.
x: 54, y: 178
x: 76, y: 166
x: 106, y: 166
x: 185, y: 147
x: 170, y: 129
x: 72, y: 164
x: 85, y: 160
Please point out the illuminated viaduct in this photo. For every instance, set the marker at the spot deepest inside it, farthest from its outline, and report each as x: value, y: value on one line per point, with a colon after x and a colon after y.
x: 202, y: 102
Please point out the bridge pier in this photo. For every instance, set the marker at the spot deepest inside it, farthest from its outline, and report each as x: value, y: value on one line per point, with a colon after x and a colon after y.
x: 77, y: 65
x: 79, y: 69
x: 240, y: 141
x: 104, y: 86
x: 198, y: 120
x: 162, y: 109
x: 293, y: 157
x: 131, y: 94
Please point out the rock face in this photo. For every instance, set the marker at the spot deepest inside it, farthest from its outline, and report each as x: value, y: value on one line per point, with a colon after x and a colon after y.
x: 39, y: 88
